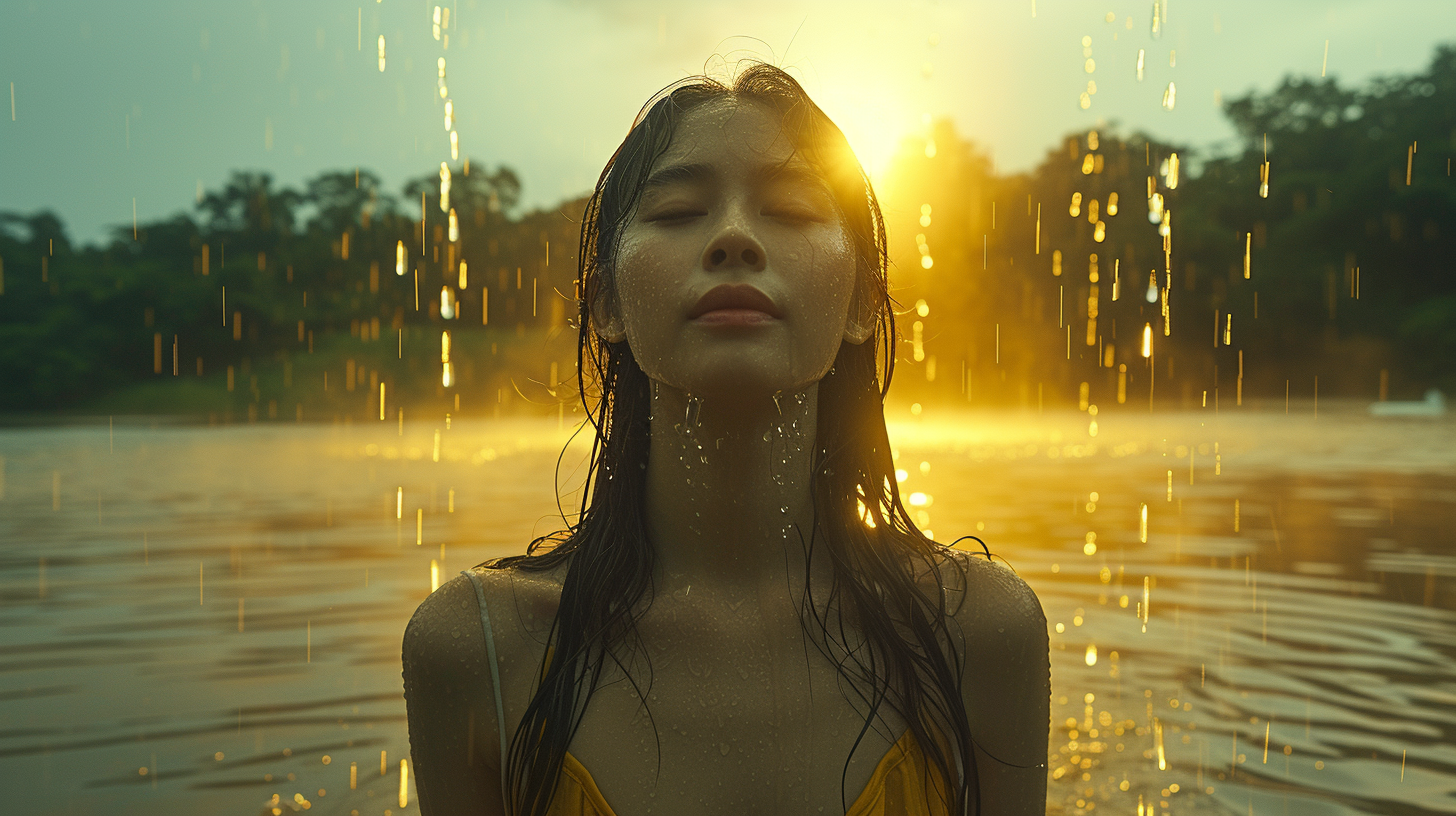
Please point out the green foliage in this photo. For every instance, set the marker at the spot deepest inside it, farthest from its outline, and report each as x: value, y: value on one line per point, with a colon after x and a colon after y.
x: 311, y: 290
x: 283, y: 287
x: 1349, y: 263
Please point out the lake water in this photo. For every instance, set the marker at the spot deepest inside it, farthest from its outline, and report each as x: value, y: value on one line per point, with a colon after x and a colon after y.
x: 196, y: 620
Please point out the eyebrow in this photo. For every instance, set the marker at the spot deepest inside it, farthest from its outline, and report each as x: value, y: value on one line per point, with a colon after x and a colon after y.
x: 697, y: 172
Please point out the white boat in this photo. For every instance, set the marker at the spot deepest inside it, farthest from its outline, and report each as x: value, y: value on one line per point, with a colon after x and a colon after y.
x: 1433, y: 405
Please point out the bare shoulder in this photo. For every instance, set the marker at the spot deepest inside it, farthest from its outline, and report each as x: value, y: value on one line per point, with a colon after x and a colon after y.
x: 1007, y: 676
x: 449, y: 701
x: 996, y: 594
x: 438, y: 631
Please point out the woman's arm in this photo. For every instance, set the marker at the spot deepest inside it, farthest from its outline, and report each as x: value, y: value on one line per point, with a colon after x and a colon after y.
x: 450, y: 704
x: 1007, y: 686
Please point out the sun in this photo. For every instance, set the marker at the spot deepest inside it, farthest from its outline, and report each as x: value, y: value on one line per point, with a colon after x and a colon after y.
x: 873, y: 122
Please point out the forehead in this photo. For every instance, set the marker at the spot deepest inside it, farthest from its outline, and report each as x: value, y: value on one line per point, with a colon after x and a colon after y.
x: 728, y: 137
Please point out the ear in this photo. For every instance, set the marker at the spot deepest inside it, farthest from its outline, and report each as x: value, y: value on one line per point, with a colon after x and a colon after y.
x: 863, y: 309
x: 605, y: 317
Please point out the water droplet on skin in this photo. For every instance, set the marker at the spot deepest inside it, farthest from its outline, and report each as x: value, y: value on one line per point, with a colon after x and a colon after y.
x: 776, y: 402
x: 784, y: 509
x: 695, y: 407
x: 799, y: 398
x: 765, y: 436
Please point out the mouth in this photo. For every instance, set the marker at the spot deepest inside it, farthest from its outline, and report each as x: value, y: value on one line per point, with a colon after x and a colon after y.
x: 734, y: 317
x: 734, y: 303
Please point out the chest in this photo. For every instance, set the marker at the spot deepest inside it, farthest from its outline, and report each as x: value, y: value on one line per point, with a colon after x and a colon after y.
x: 742, y: 714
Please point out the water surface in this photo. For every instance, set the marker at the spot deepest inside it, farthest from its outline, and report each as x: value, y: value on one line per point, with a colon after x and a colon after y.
x: 198, y: 619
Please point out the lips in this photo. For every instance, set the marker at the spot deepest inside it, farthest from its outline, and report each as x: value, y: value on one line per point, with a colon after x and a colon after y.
x: 734, y: 296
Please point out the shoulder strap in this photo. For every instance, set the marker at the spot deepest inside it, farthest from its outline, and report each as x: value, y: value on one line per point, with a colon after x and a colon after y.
x: 500, y: 716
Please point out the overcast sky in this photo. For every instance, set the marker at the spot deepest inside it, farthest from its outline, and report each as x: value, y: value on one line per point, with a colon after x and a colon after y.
x: 120, y: 101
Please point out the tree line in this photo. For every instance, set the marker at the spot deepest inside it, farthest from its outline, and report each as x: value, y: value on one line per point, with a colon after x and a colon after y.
x: 1122, y: 269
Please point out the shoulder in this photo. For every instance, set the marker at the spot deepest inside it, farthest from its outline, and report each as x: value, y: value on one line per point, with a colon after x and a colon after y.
x: 450, y: 619
x: 1007, y: 669
x: 444, y: 636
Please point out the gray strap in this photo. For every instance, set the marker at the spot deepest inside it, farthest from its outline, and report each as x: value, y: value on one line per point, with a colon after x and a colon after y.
x: 494, y: 675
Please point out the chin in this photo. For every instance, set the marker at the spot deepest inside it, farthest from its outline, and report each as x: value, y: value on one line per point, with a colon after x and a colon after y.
x: 744, y: 385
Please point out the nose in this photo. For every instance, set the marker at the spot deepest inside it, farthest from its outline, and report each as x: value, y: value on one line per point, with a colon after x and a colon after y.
x: 732, y: 246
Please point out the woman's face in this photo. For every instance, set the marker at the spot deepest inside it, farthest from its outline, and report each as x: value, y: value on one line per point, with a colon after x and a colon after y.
x: 716, y: 211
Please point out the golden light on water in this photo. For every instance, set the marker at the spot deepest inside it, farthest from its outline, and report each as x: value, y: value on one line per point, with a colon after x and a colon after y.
x: 1143, y: 524
x: 1170, y: 96
x: 381, y: 53
x: 1147, y: 339
x: 454, y: 226
x: 444, y: 187
x: 1091, y: 656
x: 1111, y: 204
x: 449, y: 114
x: 399, y: 258
x: 463, y: 278
x: 454, y: 146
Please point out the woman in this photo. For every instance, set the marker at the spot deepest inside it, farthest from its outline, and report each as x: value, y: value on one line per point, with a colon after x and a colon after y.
x: 733, y: 285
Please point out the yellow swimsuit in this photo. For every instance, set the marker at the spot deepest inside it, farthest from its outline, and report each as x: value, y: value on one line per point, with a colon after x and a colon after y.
x: 896, y: 787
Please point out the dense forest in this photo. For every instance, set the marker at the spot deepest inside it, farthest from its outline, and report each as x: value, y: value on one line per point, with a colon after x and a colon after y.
x: 1121, y: 270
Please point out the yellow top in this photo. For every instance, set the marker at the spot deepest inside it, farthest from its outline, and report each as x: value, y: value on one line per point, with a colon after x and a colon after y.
x: 897, y: 787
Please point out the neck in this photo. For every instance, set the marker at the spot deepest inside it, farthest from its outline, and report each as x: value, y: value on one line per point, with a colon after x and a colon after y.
x: 727, y: 492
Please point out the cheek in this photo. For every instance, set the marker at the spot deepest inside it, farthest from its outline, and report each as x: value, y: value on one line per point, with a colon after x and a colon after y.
x: 835, y: 277
x: 645, y: 285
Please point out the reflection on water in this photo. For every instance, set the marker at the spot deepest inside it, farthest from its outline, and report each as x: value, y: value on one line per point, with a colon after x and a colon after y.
x: 200, y: 620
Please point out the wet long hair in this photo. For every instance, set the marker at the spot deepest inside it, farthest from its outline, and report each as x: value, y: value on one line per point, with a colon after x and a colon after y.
x: 874, y: 547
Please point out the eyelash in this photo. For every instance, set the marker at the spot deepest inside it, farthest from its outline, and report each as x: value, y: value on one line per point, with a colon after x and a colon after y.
x: 678, y: 215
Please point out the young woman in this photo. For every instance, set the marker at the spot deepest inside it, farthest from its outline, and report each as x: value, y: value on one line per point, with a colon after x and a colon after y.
x: 742, y: 508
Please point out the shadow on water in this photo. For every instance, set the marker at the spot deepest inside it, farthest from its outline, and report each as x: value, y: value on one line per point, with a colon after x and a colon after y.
x: 197, y: 620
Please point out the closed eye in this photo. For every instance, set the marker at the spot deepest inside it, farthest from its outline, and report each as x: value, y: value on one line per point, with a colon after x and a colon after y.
x: 676, y: 215
x: 796, y: 215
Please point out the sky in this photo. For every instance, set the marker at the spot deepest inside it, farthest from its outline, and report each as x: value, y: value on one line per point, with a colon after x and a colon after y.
x: 122, y: 107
